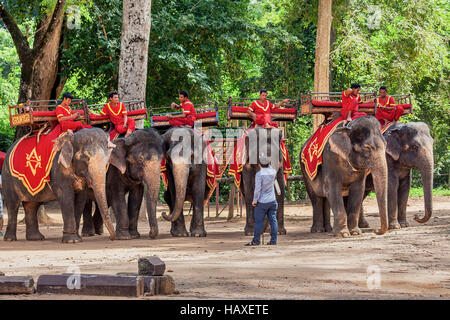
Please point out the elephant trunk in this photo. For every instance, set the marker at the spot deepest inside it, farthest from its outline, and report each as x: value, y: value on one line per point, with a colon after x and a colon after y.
x: 100, y: 198
x: 97, y: 172
x: 426, y: 173
x: 152, y: 182
x: 180, y: 172
x: 379, y: 176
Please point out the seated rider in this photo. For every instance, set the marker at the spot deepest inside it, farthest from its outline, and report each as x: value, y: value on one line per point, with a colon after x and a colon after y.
x: 117, y: 113
x: 387, y: 111
x: 66, y: 117
x: 350, y: 101
x: 260, y: 110
x: 189, y: 114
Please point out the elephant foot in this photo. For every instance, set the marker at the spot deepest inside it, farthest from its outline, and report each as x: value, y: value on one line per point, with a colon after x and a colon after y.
x: 356, y: 232
x: 99, y: 229
x: 153, y: 233
x: 328, y: 228
x: 404, y: 224
x: 135, y: 234
x: 9, y: 235
x: 71, y: 238
x: 317, y: 229
x: 198, y: 232
x: 342, y: 232
x: 88, y: 232
x: 179, y: 233
x: 123, y: 235
x: 394, y: 225
x: 248, y: 231
x: 34, y: 236
x: 362, y: 223
x: 282, y: 231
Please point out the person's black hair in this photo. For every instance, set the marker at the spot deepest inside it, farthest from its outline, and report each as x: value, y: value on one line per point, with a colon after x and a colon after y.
x: 383, y: 88
x: 262, y: 90
x: 184, y: 93
x: 67, y: 95
x: 355, y: 86
x: 112, y: 94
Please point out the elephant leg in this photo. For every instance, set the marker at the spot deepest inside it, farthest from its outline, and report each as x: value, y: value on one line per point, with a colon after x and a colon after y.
x: 249, y: 186
x: 118, y: 204
x: 393, y: 184
x: 197, y: 227
x: 326, y: 216
x: 134, y: 206
x: 80, y: 204
x: 280, y: 201
x: 403, y: 194
x: 318, y: 223
x: 88, y: 222
x: 98, y: 220
x: 354, y: 201
x: 31, y: 221
x: 177, y: 228
x: 340, y: 215
x: 362, y: 223
x: 12, y: 204
x: 66, y: 202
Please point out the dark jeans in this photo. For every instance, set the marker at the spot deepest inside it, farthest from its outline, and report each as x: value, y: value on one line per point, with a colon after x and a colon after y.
x: 261, y: 210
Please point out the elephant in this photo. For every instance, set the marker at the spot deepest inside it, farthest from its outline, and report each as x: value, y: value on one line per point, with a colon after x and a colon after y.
x: 349, y: 153
x: 186, y: 179
x: 261, y: 141
x: 135, y: 164
x: 409, y: 145
x: 79, y: 164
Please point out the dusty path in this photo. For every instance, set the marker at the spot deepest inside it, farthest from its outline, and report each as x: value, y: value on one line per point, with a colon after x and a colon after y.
x: 414, y: 262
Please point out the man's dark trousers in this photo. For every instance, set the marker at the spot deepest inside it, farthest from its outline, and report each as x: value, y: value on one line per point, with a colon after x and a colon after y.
x: 261, y: 210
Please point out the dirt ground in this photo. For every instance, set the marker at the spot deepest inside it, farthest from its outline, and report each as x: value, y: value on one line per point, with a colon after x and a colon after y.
x: 414, y: 263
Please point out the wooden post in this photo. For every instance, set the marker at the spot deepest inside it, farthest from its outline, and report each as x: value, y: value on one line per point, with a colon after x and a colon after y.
x: 217, y: 199
x: 240, y: 204
x: 231, y: 201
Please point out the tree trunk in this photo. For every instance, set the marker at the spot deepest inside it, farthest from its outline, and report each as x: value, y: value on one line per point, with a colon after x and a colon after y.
x: 321, y: 70
x: 45, y: 71
x: 134, y: 50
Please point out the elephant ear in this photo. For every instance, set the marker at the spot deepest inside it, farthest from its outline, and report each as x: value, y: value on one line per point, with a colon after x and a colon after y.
x: 64, y: 144
x: 118, y: 155
x: 393, y: 145
x: 340, y: 142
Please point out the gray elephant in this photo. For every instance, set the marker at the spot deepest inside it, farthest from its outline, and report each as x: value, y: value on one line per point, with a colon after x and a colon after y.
x: 79, y: 164
x: 186, y: 166
x: 347, y: 156
x: 409, y: 145
x: 135, y: 164
x: 267, y: 142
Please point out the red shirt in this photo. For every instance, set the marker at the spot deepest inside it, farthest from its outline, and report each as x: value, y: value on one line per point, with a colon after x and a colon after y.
x: 116, y: 113
x: 387, y: 102
x: 62, y: 111
x: 259, y: 108
x: 348, y: 101
x: 189, y: 110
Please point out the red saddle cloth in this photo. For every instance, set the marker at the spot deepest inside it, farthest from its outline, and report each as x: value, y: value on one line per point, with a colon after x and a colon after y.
x: 238, y: 160
x: 212, y: 168
x: 311, y: 155
x: 31, y: 161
